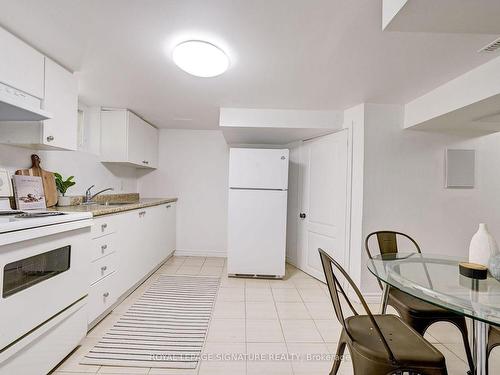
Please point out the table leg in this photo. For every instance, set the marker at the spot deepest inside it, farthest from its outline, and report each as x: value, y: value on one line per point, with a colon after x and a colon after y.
x: 479, y: 345
x: 385, y: 296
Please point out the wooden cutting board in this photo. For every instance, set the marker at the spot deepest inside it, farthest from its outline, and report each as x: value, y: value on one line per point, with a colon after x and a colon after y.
x: 48, y: 180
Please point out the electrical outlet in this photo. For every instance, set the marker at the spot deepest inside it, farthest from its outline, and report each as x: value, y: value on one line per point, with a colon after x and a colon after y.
x: 5, y: 184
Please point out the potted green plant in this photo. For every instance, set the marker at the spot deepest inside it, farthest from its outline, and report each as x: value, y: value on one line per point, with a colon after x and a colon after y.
x: 63, y: 186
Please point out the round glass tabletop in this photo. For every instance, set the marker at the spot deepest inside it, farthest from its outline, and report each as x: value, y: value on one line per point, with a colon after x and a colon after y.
x: 436, y: 279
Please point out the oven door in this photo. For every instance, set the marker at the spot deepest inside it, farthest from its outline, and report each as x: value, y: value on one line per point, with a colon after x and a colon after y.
x: 40, y: 278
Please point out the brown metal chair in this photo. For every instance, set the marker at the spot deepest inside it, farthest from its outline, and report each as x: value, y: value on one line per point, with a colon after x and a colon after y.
x: 415, y: 312
x: 378, y: 344
x: 493, y: 341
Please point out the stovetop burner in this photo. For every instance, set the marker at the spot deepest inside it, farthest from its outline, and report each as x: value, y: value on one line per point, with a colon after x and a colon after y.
x: 10, y: 212
x: 27, y: 215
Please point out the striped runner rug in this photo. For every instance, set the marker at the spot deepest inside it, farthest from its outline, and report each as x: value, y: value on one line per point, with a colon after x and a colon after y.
x: 165, y: 328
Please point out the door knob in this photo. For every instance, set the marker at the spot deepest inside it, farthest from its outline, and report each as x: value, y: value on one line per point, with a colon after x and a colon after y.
x: 302, y: 215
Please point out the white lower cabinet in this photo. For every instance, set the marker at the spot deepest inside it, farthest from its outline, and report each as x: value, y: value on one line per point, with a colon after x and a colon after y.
x: 102, y: 295
x: 125, y: 248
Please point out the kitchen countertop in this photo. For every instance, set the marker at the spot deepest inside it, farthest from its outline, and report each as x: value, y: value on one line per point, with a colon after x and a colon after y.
x: 102, y: 209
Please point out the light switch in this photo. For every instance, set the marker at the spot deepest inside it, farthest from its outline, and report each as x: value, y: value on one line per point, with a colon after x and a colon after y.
x: 5, y: 184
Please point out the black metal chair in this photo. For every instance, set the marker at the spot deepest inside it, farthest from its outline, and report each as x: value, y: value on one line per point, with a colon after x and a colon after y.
x: 378, y: 344
x: 415, y: 312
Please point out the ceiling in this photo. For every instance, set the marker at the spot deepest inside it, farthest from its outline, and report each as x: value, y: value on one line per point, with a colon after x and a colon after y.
x: 314, y: 54
x: 448, y: 16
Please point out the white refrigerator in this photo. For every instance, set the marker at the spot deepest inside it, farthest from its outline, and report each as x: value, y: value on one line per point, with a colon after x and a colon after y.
x: 258, y: 184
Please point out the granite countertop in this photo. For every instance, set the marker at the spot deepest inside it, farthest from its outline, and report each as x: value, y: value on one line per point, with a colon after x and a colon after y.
x: 100, y: 208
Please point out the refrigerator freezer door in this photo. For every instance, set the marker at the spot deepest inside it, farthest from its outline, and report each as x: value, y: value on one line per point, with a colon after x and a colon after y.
x: 251, y: 168
x: 257, y: 232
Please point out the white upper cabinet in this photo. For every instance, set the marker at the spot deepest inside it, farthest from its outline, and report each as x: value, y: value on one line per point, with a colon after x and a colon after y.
x: 21, y: 66
x: 128, y: 139
x: 25, y: 69
x: 61, y: 99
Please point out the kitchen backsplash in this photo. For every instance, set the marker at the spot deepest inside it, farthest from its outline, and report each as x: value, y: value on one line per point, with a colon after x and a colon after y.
x: 86, y: 168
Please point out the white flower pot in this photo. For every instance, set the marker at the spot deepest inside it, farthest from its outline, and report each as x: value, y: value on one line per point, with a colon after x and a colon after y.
x: 482, y: 246
x: 63, y: 201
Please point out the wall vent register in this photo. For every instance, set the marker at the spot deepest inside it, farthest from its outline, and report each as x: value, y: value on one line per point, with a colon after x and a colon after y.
x: 491, y: 47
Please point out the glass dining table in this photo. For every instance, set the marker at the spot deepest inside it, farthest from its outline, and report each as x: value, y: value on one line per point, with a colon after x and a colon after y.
x: 436, y: 279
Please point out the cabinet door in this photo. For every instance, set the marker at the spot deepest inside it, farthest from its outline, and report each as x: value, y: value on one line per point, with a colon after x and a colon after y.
x: 21, y: 66
x: 170, y: 229
x: 151, y: 138
x: 61, y: 99
x: 136, y: 139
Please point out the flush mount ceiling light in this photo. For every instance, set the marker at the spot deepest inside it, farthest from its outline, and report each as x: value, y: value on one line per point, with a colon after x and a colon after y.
x: 201, y: 59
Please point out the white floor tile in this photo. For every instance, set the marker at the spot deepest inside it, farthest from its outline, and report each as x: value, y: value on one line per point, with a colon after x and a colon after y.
x: 258, y: 294
x: 229, y: 310
x: 257, y: 283
x: 123, y: 370
x: 321, y: 310
x: 231, y: 294
x: 329, y: 330
x: 222, y: 368
x: 292, y: 310
x: 264, y: 331
x: 269, y: 368
x: 226, y: 330
x: 286, y: 295
x: 313, y: 295
x: 297, y: 330
x: 261, y: 310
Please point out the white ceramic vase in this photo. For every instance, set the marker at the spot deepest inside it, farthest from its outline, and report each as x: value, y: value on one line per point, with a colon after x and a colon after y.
x: 482, y: 246
x: 63, y: 201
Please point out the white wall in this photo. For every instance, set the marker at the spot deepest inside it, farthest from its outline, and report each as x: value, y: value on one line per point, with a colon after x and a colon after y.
x: 14, y: 158
x: 88, y: 170
x: 404, y: 186
x: 193, y: 166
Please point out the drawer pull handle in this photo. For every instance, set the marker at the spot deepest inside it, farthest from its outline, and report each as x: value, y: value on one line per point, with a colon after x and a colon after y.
x: 168, y: 206
x: 104, y: 226
x: 50, y: 138
x: 142, y: 213
x: 104, y: 268
x: 104, y: 247
x: 106, y: 294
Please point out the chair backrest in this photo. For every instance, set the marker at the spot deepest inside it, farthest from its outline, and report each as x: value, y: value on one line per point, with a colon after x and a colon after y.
x: 335, y: 288
x: 387, y: 243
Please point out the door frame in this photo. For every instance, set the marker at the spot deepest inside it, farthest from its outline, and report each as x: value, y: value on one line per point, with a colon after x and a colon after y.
x: 300, y: 228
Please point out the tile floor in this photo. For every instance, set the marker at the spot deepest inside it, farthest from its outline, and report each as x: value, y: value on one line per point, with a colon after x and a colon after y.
x: 278, y: 327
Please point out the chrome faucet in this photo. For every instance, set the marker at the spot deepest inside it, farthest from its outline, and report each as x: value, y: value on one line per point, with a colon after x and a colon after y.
x: 88, y: 196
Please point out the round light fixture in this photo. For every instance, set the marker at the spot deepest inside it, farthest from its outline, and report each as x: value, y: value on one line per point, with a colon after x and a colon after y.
x: 201, y: 59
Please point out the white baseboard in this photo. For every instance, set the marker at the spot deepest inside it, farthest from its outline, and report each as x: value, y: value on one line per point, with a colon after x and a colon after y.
x: 200, y: 253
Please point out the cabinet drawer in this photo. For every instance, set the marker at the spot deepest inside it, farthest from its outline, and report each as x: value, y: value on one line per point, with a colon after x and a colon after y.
x: 102, y: 246
x: 102, y: 227
x: 101, y: 296
x: 102, y: 268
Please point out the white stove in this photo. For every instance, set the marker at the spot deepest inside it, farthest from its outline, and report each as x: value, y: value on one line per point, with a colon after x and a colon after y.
x: 21, y: 220
x: 44, y: 260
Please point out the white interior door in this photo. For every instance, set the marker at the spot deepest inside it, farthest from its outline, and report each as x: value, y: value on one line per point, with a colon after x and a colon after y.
x: 323, y: 199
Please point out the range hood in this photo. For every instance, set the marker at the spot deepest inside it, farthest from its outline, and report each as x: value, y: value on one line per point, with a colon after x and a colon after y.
x: 16, y: 105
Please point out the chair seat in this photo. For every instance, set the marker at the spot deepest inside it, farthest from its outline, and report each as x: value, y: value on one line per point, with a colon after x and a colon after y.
x: 493, y: 337
x: 402, y: 302
x: 409, y: 348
